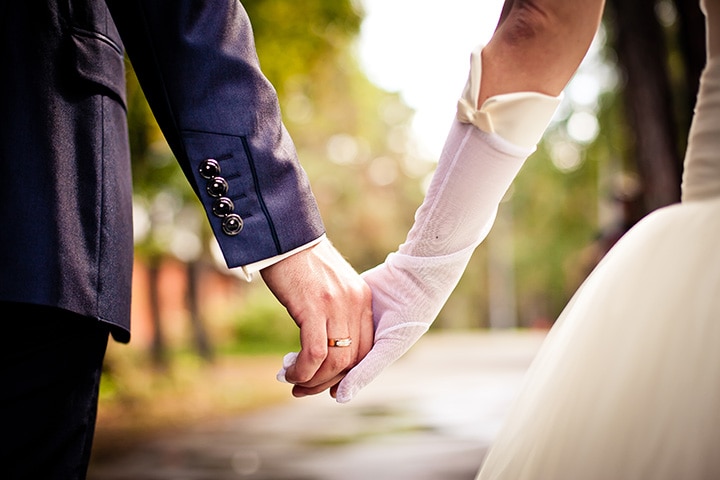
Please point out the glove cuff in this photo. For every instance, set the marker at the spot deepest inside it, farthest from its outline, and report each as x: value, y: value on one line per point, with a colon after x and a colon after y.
x: 520, y: 118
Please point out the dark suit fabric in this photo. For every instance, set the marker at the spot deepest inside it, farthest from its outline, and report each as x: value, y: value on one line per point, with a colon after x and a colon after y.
x: 50, y: 370
x: 65, y: 185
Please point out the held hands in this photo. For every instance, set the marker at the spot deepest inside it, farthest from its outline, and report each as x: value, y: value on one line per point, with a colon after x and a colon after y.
x: 412, y: 285
x: 327, y: 299
x: 484, y: 150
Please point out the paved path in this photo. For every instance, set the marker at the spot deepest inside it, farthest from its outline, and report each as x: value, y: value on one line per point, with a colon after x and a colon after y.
x: 430, y: 416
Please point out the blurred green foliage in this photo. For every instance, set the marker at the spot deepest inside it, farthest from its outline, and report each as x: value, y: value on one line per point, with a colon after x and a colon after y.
x: 261, y: 327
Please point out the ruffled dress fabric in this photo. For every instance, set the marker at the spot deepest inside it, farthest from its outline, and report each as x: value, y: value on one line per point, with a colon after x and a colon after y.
x: 627, y: 383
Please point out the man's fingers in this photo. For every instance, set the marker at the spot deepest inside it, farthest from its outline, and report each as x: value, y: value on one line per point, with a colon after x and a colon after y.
x: 303, y: 391
x: 337, y: 361
x: 314, y: 351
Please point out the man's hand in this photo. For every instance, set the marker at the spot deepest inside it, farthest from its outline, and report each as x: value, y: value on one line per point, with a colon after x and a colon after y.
x: 327, y: 299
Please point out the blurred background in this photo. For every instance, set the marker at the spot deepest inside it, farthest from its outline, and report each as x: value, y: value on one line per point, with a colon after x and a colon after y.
x: 368, y: 91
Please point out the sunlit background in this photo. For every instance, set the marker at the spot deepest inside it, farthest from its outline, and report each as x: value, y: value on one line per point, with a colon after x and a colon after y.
x: 368, y: 90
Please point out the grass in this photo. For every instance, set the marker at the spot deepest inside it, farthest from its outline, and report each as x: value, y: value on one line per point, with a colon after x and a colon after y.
x: 140, y: 401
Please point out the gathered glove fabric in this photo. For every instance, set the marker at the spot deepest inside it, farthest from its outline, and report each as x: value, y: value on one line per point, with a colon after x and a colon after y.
x: 483, y: 153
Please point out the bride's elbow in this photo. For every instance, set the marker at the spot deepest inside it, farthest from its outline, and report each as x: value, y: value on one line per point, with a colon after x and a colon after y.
x: 530, y: 20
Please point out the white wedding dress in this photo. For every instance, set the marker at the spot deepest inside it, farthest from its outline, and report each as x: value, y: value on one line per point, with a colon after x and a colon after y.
x: 627, y: 384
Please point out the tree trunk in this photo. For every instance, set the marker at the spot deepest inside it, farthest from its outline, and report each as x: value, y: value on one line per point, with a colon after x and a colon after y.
x: 641, y: 52
x: 158, y: 347
x: 200, y: 336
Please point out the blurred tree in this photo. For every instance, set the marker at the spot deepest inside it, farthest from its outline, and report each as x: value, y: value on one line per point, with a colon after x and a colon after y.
x: 355, y: 142
x: 573, y: 199
x: 352, y: 138
x: 660, y: 50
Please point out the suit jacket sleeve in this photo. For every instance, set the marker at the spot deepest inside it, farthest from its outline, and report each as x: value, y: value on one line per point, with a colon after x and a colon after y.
x: 197, y: 65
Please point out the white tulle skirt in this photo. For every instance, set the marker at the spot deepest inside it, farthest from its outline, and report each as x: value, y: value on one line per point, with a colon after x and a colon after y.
x: 627, y: 384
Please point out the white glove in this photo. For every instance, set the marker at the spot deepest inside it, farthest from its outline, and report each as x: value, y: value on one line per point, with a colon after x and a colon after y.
x: 475, y: 170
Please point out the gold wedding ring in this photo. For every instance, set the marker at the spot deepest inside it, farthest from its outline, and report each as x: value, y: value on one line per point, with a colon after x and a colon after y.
x: 339, y: 342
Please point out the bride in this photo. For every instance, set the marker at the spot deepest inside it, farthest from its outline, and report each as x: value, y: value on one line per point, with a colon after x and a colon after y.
x: 627, y: 383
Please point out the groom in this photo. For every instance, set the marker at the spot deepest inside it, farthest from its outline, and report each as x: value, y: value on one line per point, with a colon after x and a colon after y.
x: 65, y: 203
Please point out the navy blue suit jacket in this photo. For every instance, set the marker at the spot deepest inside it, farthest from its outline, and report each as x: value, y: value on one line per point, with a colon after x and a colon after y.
x: 65, y: 184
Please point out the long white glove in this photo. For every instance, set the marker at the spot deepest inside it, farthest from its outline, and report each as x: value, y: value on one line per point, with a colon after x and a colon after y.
x: 483, y: 153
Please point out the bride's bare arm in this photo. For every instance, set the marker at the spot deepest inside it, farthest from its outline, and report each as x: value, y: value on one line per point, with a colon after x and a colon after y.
x: 538, y: 45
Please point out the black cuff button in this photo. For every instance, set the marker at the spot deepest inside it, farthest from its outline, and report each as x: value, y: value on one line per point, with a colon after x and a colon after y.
x: 232, y: 224
x: 209, y: 168
x: 223, y: 207
x: 217, y: 187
